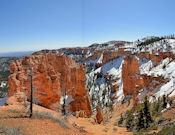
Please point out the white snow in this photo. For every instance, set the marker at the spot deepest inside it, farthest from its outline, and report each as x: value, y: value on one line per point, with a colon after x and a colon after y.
x: 116, y: 63
x: 62, y: 99
x: 100, y: 59
x: 146, y: 67
x: 116, y: 73
x: 3, y: 84
x: 165, y: 69
x: 166, y: 89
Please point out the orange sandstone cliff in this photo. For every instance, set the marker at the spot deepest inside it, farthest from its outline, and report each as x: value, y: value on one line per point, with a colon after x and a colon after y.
x: 57, y: 80
x: 132, y: 80
x: 99, y: 116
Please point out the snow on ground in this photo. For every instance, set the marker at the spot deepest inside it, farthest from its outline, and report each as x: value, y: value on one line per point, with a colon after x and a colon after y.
x: 116, y: 63
x: 164, y: 45
x: 99, y: 89
x: 116, y: 73
x: 166, y: 89
x: 171, y: 43
x: 145, y: 68
x: 166, y: 69
x: 167, y: 72
x: 3, y: 84
x: 100, y: 58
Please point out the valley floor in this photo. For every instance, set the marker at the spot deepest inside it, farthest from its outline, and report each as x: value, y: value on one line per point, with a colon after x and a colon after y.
x: 95, y: 129
x: 15, y: 117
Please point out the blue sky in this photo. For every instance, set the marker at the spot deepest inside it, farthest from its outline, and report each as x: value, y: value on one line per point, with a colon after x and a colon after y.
x: 39, y: 24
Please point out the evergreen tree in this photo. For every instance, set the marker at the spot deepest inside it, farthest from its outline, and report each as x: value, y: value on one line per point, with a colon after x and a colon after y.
x: 146, y: 112
x: 140, y: 121
x: 130, y: 120
x: 164, y: 102
x: 129, y: 101
x: 121, y: 120
x: 157, y: 107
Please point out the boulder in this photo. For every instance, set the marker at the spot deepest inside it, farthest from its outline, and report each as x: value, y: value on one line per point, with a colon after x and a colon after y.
x: 99, y: 116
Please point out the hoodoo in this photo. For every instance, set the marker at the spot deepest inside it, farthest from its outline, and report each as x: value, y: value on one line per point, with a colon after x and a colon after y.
x: 56, y: 78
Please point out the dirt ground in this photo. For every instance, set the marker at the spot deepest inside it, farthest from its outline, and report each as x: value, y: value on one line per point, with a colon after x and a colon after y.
x: 15, y: 117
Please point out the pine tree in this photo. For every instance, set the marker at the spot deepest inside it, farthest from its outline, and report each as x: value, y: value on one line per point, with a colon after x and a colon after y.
x: 121, y: 120
x: 164, y: 102
x: 146, y: 112
x: 140, y: 121
x: 130, y: 120
x: 158, y: 106
x: 129, y: 101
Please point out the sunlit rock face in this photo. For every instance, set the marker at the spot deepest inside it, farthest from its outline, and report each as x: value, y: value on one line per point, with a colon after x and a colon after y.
x: 99, y: 116
x: 56, y: 78
x: 132, y: 80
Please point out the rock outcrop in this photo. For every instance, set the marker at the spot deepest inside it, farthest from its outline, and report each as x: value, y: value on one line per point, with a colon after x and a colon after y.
x: 99, y: 116
x: 57, y: 80
x: 132, y: 81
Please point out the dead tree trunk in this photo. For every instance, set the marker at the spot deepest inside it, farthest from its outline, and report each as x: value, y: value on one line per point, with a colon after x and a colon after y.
x: 31, y: 92
x: 64, y: 104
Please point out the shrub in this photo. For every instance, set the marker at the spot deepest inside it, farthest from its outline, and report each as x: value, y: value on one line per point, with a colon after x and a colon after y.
x: 150, y: 41
x: 10, y: 131
x: 168, y: 130
x: 46, y: 115
x: 121, y: 120
x: 130, y: 120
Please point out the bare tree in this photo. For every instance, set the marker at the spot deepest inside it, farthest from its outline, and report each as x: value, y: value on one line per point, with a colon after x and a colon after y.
x: 64, y: 95
x: 64, y: 103
x: 31, y: 91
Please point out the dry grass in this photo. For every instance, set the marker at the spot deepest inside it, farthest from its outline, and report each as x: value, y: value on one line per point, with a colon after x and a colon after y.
x: 10, y: 131
x: 49, y: 116
x: 39, y: 115
x: 44, y: 121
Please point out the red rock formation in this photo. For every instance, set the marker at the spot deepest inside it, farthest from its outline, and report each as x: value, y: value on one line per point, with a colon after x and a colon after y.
x: 53, y: 77
x: 99, y: 115
x: 151, y: 83
x: 132, y: 81
x: 156, y: 56
x: 94, y: 56
x: 110, y: 55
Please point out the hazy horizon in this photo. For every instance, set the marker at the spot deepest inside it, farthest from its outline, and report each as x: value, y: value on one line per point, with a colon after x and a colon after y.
x: 43, y: 24
x: 26, y: 51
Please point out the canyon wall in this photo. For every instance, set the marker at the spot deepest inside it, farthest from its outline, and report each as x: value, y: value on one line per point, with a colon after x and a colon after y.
x: 132, y: 81
x: 57, y: 80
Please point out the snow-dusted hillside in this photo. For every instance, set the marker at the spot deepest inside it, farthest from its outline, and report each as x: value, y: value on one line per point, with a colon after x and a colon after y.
x: 154, y: 75
x: 150, y: 65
